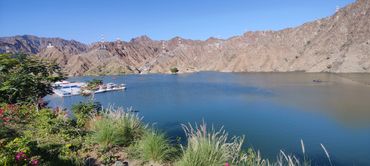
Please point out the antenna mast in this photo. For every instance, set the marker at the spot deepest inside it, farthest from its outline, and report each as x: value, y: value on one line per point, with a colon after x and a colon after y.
x: 163, y: 47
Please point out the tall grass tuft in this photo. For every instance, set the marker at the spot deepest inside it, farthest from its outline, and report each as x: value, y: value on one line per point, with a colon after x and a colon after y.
x: 154, y: 147
x: 288, y: 160
x: 209, y: 147
x: 306, y: 162
x: 116, y: 127
x: 252, y: 158
x: 327, y: 154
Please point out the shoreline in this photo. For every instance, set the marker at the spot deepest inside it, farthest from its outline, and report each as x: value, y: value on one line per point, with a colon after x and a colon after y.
x: 214, y: 71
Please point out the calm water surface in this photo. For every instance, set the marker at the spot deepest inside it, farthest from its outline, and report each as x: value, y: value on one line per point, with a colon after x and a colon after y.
x: 273, y: 110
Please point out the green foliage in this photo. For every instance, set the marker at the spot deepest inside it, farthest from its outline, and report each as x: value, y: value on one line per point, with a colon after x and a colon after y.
x: 252, y: 158
x: 49, y: 127
x: 19, y: 144
x: 174, y: 70
x: 26, y: 79
x: 209, y: 147
x: 19, y: 151
x: 116, y: 127
x: 84, y: 111
x: 13, y: 119
x: 69, y: 152
x: 94, y: 84
x: 58, y: 138
x: 104, y: 132
x: 155, y: 147
x: 108, y: 158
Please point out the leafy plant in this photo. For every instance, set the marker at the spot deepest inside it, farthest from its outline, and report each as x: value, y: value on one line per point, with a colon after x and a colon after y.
x: 18, y: 152
x: 84, y: 111
x: 155, y: 147
x: 58, y: 139
x: 26, y: 79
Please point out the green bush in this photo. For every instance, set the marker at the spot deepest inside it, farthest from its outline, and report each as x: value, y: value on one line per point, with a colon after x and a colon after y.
x: 115, y: 127
x: 93, y: 84
x: 26, y: 79
x: 155, y: 147
x: 209, y: 147
x: 19, y: 151
x: 84, y: 111
x: 174, y: 70
x: 58, y: 139
x: 13, y: 120
x: 105, y: 132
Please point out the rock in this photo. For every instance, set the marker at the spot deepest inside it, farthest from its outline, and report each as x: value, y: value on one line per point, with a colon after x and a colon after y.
x: 90, y: 161
x: 120, y: 163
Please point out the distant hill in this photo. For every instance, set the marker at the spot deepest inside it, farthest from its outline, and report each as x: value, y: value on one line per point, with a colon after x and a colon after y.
x: 339, y: 43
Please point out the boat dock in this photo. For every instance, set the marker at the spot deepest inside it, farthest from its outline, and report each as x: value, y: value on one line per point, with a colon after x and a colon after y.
x: 66, y: 88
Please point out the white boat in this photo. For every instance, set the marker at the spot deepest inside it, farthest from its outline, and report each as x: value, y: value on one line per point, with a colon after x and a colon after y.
x: 110, y: 87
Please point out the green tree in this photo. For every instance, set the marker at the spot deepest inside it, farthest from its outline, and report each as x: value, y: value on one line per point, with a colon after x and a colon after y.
x: 26, y: 79
x: 94, y: 84
x: 174, y: 70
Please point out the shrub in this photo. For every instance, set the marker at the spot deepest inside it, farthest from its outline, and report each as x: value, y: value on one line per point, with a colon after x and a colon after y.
x: 26, y: 79
x: 93, y: 84
x: 104, y: 132
x: 155, y: 147
x: 116, y: 127
x: 174, y: 70
x: 209, y: 148
x: 13, y: 119
x: 19, y: 151
x: 84, y: 111
x: 57, y: 137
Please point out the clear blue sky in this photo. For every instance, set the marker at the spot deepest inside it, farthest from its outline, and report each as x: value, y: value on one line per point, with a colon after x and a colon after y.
x: 86, y: 20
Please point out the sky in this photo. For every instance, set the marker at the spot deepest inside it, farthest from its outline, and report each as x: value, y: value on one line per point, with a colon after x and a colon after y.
x: 87, y: 20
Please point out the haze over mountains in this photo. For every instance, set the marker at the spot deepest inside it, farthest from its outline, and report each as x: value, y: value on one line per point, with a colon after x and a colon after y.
x: 339, y: 43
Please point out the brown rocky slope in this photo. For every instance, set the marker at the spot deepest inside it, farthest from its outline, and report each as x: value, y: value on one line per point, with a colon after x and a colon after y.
x: 339, y: 43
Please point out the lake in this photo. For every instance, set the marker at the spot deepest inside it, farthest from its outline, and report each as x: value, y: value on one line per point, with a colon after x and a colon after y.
x: 273, y: 110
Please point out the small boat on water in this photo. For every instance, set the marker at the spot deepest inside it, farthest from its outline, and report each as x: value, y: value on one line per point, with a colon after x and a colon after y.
x: 110, y: 87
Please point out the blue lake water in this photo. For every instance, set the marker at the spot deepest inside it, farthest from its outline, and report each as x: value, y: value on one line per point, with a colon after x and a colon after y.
x: 273, y: 110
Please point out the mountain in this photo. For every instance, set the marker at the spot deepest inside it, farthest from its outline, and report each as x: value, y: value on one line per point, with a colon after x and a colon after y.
x: 33, y: 44
x: 339, y: 43
x: 60, y: 50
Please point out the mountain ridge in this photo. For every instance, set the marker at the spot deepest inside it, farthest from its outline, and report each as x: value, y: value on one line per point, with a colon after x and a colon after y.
x: 338, y: 43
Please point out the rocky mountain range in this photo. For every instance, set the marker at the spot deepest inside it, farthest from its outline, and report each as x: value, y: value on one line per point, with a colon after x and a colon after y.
x: 339, y: 43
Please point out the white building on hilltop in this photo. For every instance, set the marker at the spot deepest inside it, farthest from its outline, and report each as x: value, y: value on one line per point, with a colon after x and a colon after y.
x: 49, y: 46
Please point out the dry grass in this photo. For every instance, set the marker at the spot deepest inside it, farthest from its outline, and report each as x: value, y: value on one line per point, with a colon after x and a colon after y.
x: 209, y: 147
